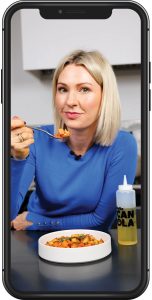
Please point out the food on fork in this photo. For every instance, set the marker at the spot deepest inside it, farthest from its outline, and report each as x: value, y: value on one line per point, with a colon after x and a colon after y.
x: 74, y: 241
x: 62, y: 133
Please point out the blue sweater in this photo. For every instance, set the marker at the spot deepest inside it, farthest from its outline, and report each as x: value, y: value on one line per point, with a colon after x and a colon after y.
x: 72, y: 193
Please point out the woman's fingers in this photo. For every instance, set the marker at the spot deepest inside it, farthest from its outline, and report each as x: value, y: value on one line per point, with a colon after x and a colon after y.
x: 23, y: 129
x: 21, y: 138
x: 22, y: 145
x: 17, y: 123
x: 20, y: 222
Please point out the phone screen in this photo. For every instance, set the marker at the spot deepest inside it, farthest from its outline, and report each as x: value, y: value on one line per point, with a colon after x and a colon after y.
x: 78, y: 115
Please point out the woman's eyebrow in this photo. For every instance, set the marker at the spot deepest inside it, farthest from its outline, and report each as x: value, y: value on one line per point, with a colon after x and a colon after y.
x: 76, y: 84
x: 61, y: 83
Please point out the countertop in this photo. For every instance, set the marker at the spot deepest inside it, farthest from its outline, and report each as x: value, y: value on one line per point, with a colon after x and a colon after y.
x: 120, y: 271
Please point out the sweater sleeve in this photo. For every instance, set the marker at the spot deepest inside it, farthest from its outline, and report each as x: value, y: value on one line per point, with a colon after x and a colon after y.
x: 22, y: 173
x: 122, y: 161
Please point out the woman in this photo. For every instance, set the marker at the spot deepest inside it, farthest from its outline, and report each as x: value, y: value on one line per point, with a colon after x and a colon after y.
x: 76, y: 180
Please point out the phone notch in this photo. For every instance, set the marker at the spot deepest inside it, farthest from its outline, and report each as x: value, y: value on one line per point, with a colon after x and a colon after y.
x: 75, y: 12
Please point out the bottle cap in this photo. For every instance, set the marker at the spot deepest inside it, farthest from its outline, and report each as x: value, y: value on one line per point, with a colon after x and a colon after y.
x: 125, y: 186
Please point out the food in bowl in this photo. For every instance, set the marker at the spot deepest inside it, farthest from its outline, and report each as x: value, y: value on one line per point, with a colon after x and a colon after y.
x: 75, y: 254
x: 62, y: 133
x: 74, y: 241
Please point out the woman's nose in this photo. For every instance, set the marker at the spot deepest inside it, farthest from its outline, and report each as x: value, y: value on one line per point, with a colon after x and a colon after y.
x: 71, y: 98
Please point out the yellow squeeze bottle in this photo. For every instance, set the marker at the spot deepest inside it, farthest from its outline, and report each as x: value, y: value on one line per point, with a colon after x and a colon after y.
x: 126, y: 214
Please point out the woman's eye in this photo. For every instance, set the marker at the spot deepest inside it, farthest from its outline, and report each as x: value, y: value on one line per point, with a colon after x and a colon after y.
x: 84, y: 90
x: 62, y: 90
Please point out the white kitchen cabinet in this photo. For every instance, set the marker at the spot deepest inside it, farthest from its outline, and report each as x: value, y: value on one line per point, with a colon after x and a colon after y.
x: 45, y: 42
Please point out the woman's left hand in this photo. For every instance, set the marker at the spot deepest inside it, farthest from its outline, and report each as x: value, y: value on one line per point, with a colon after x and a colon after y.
x: 20, y: 222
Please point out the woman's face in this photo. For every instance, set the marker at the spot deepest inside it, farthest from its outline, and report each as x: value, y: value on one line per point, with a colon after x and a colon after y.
x: 78, y: 97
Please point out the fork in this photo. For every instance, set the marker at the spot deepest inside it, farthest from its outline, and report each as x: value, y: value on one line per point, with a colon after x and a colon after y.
x: 40, y: 129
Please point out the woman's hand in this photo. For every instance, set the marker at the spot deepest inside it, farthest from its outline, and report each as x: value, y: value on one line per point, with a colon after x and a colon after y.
x: 20, y: 222
x: 21, y: 138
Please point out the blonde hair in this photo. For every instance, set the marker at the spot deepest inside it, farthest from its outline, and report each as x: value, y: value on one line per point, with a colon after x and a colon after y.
x: 100, y: 69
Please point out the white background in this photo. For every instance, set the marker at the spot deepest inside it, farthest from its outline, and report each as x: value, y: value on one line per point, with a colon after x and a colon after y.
x: 4, y: 294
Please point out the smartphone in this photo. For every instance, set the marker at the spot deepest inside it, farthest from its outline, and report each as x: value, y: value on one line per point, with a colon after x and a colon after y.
x: 76, y: 105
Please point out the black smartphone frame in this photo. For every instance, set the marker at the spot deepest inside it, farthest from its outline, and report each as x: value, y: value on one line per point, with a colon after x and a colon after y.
x: 145, y: 108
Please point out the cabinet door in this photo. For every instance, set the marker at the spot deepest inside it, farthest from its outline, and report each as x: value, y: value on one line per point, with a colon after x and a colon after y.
x: 45, y: 42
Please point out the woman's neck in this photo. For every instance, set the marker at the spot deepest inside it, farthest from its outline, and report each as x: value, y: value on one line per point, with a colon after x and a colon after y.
x: 80, y: 140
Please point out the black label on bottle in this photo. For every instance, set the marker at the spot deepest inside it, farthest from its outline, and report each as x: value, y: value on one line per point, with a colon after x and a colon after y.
x: 126, y: 217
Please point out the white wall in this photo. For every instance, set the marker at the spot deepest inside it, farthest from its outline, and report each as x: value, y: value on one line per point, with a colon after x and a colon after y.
x: 31, y: 92
x: 130, y: 94
x: 31, y: 95
x: 118, y: 38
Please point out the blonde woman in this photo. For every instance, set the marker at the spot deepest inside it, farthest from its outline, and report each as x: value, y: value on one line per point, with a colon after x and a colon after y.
x: 76, y: 179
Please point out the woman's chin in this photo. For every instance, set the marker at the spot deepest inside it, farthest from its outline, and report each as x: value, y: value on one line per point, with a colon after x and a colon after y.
x: 73, y: 125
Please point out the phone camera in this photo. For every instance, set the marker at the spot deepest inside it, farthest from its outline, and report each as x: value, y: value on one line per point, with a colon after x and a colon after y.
x: 60, y: 11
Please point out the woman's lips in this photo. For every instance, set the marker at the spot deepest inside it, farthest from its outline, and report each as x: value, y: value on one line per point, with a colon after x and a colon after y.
x: 72, y: 115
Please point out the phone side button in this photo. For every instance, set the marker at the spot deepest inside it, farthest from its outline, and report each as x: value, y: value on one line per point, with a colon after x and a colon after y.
x: 150, y: 72
x: 149, y: 100
x: 1, y: 87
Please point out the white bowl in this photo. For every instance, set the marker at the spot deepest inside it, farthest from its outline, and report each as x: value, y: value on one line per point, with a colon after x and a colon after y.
x: 74, y: 255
